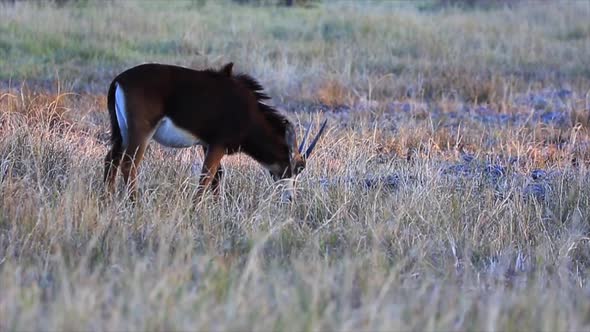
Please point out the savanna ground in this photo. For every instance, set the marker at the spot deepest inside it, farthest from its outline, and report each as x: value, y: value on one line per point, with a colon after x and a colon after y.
x: 451, y: 191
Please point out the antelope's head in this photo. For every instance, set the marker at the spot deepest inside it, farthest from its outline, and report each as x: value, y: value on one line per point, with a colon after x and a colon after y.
x: 297, y: 157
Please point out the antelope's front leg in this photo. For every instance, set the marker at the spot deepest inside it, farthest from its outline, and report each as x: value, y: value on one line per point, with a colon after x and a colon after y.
x: 216, y: 182
x: 211, y: 166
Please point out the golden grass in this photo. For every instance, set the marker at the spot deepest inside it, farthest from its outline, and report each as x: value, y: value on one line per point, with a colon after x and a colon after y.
x: 439, y: 252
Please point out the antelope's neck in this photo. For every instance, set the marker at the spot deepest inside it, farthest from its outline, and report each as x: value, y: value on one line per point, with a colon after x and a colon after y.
x: 264, y: 145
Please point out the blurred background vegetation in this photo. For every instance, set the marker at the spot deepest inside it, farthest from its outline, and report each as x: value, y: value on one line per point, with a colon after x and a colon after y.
x: 336, y: 51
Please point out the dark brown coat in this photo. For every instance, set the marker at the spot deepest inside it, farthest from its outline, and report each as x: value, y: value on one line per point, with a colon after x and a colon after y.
x: 182, y: 107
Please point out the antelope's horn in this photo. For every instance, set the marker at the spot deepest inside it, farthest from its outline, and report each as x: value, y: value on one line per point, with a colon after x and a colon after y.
x: 304, y: 138
x: 315, y: 140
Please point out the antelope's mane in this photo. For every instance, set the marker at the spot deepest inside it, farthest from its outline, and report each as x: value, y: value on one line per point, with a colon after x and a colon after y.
x: 277, y: 120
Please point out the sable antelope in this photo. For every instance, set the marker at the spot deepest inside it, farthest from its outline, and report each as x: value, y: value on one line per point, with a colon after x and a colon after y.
x: 181, y: 107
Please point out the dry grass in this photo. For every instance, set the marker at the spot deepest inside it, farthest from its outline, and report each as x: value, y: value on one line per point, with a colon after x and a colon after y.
x: 418, y: 212
x: 440, y: 251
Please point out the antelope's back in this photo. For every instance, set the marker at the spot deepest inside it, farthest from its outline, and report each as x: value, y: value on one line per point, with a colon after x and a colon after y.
x: 208, y: 103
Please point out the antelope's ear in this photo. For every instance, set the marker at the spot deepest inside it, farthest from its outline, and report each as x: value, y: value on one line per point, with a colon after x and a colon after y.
x: 226, y: 70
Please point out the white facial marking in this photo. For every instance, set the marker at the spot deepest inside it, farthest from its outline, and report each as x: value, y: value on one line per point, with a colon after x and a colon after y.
x: 121, y: 114
x: 288, y: 190
x: 170, y: 135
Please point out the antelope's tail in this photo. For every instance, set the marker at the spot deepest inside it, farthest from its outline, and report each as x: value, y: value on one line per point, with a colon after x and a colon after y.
x: 116, y: 138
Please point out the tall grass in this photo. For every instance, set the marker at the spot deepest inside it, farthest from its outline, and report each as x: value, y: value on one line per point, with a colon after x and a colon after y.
x: 433, y: 251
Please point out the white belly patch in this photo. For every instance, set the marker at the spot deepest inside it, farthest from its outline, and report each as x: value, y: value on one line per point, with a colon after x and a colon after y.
x: 170, y: 135
x: 166, y: 133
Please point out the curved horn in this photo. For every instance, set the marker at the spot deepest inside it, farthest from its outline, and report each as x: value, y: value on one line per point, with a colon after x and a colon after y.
x: 304, y: 138
x: 315, y: 140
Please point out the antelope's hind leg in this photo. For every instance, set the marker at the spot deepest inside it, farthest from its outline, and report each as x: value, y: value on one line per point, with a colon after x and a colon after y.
x: 130, y: 165
x: 111, y: 165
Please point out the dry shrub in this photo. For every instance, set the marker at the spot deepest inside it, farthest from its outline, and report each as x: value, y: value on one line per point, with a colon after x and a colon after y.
x: 333, y: 93
x: 38, y: 107
x: 580, y: 116
x: 472, y: 86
